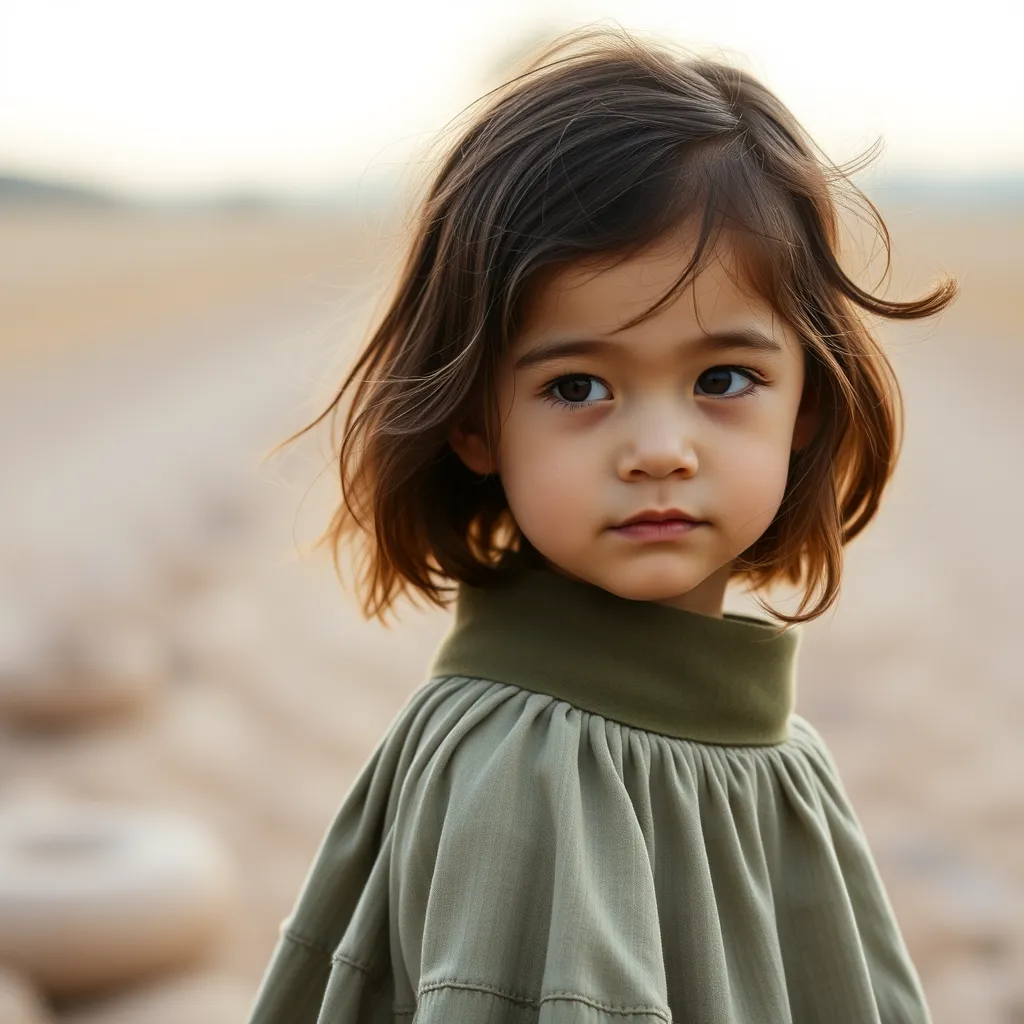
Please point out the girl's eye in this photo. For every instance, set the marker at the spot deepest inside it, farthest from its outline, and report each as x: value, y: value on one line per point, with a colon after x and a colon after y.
x: 716, y: 381
x: 578, y: 389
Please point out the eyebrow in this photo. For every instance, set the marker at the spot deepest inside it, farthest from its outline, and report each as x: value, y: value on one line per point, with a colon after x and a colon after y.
x: 548, y: 351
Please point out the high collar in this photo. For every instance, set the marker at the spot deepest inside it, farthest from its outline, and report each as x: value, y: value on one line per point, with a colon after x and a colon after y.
x: 724, y: 681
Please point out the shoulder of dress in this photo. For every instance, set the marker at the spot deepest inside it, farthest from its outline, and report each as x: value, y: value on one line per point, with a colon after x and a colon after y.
x: 449, y: 714
x: 800, y: 729
x: 804, y: 734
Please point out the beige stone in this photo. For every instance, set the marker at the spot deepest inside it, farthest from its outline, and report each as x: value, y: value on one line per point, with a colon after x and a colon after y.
x: 205, y: 998
x: 19, y: 1001
x: 93, y: 896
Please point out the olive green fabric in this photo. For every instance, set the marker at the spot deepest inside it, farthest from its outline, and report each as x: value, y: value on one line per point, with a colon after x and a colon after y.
x: 596, y: 810
x: 647, y: 665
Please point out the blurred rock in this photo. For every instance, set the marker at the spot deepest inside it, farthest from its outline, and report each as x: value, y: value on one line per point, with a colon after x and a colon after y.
x: 76, y: 671
x: 28, y: 656
x: 77, y: 651
x: 203, y: 999
x: 93, y: 896
x: 19, y: 1002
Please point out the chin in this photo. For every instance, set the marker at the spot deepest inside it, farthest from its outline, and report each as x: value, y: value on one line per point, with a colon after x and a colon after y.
x: 648, y: 584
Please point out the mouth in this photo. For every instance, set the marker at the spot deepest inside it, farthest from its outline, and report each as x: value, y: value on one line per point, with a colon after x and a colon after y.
x: 658, y: 524
x: 666, y: 515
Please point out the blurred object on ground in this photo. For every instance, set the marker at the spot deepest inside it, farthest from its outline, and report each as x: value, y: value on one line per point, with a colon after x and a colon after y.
x: 19, y: 1001
x: 91, y: 663
x: 189, y: 999
x: 94, y: 896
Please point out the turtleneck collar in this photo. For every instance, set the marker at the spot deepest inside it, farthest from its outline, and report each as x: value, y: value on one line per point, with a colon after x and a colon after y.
x: 728, y: 681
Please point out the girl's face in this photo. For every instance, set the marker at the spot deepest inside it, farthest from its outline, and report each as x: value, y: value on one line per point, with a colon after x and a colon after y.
x: 670, y: 417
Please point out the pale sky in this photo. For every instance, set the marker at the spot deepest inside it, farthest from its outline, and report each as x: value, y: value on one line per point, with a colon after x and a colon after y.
x: 161, y: 98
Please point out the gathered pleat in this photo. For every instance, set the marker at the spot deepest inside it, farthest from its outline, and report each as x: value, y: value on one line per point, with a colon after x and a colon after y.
x: 508, y: 857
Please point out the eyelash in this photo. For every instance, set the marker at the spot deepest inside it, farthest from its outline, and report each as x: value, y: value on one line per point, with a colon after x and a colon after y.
x: 756, y: 380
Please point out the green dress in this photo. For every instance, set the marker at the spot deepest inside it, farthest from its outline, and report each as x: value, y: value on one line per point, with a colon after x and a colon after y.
x: 595, y: 811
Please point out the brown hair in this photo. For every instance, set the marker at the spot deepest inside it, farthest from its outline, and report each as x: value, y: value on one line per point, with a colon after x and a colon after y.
x: 599, y: 147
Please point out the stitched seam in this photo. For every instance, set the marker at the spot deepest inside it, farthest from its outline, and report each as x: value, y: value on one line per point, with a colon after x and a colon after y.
x: 301, y: 940
x: 341, y: 958
x: 619, y: 1011
x: 807, y: 745
x: 716, y: 744
x: 334, y: 956
x: 455, y: 983
x: 577, y: 997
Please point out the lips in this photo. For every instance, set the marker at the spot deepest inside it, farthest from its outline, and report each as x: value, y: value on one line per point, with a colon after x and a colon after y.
x: 657, y: 526
x: 659, y: 516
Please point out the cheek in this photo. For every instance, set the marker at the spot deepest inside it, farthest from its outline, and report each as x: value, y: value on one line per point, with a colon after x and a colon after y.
x: 756, y: 483
x: 548, y: 480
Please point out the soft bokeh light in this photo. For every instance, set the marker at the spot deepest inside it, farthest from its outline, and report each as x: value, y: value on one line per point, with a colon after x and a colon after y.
x: 163, y: 98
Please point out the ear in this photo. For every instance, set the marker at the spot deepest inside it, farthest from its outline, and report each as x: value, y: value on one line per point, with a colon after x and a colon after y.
x: 806, y: 420
x: 471, y: 448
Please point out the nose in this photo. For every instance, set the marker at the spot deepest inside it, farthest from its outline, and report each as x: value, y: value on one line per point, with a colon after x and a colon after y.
x: 658, y: 443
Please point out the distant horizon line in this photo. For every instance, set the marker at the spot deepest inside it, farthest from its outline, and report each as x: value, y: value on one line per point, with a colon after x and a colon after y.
x: 995, y: 186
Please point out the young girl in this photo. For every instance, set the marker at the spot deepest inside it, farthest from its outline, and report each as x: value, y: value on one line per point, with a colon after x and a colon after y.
x: 622, y: 369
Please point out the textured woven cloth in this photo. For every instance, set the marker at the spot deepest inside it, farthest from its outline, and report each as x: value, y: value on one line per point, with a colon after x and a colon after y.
x: 596, y: 810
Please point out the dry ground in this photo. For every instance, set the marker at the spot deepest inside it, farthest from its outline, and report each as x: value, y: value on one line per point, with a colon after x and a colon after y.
x: 147, y: 361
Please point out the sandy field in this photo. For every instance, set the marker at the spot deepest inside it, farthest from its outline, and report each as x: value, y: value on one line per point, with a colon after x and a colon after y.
x: 148, y: 361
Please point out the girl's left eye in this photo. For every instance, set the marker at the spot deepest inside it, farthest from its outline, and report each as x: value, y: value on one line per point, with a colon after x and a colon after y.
x: 577, y: 389
x: 718, y: 383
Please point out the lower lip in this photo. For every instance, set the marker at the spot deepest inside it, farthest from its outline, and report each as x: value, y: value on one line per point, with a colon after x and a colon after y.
x: 668, y: 529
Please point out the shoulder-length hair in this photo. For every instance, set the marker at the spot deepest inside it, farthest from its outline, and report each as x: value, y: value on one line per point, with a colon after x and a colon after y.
x: 599, y: 146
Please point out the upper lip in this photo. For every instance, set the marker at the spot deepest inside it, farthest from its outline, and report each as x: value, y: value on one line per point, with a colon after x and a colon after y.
x: 659, y: 515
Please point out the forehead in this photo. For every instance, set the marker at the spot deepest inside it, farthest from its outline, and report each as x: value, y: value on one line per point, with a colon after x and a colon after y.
x: 599, y: 296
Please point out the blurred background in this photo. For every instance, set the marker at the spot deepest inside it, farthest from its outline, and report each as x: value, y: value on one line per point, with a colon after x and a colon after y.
x: 200, y: 204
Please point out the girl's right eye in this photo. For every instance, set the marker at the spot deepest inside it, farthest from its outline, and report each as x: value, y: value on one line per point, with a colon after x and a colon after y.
x: 577, y: 389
